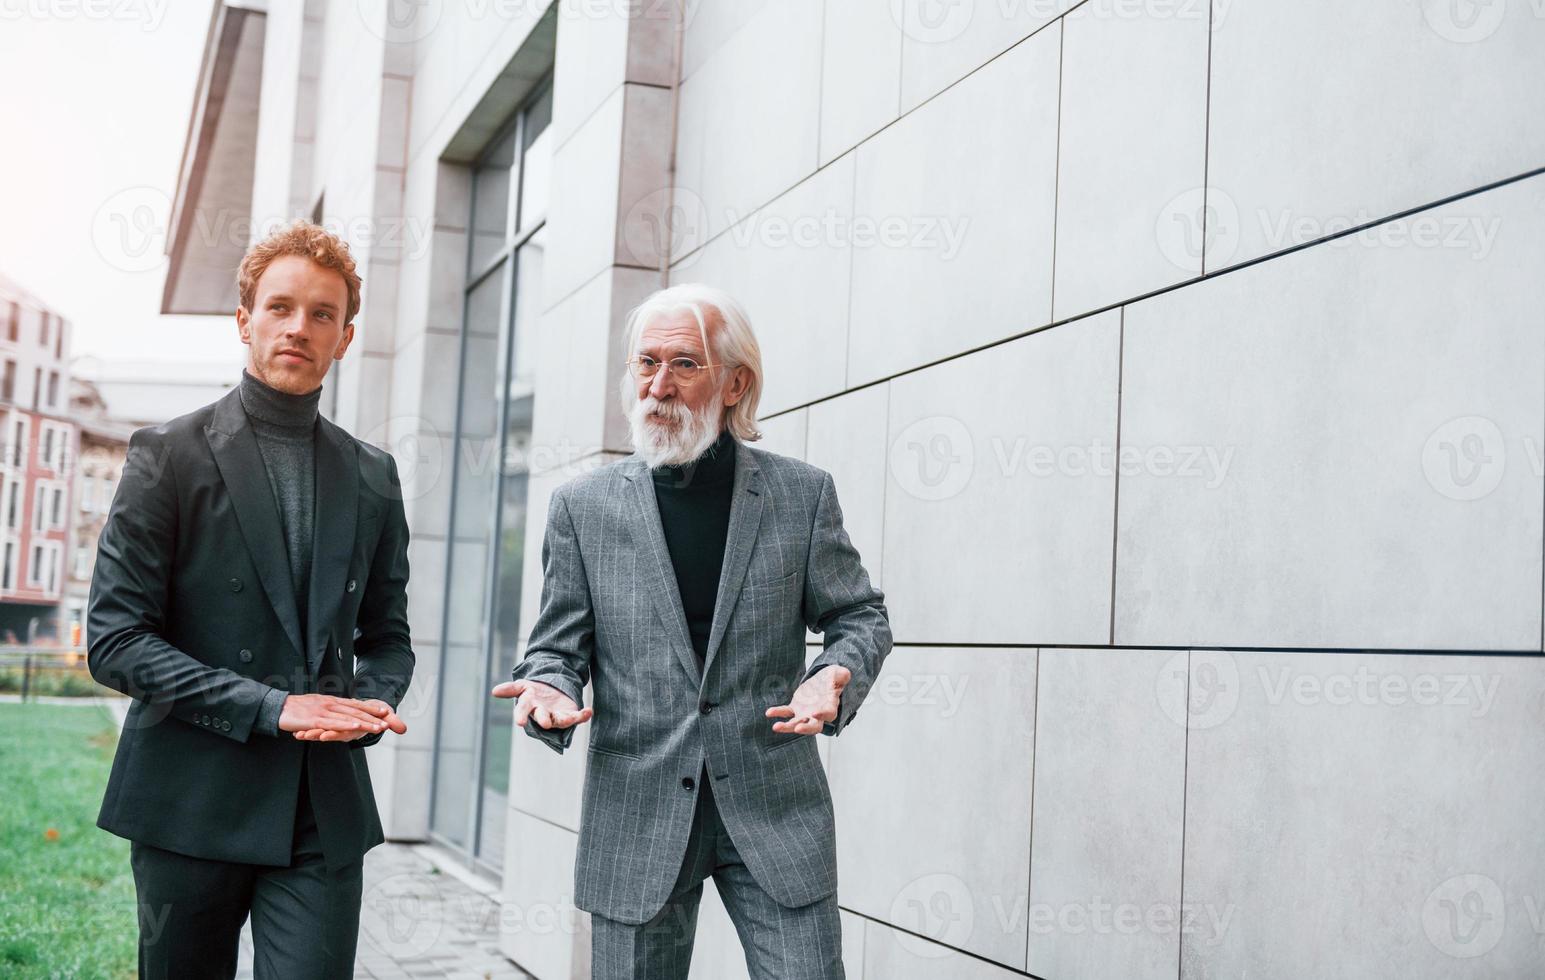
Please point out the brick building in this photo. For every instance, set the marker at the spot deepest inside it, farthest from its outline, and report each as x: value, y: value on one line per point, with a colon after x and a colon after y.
x: 38, y: 448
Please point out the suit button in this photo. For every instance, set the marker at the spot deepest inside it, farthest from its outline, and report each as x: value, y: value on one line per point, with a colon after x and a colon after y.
x: 686, y: 782
x: 350, y: 586
x: 705, y: 707
x: 225, y: 726
x: 235, y: 585
x: 246, y: 656
x: 204, y: 720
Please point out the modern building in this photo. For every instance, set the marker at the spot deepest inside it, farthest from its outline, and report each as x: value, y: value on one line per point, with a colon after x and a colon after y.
x: 147, y: 391
x: 104, y: 444
x: 38, y: 447
x: 1180, y: 367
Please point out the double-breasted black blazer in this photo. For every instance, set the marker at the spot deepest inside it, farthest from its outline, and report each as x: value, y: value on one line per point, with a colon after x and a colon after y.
x: 192, y: 613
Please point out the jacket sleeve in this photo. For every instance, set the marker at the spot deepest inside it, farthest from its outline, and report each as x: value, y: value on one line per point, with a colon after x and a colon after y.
x: 562, y: 639
x: 841, y: 604
x: 127, y: 605
x: 383, y: 649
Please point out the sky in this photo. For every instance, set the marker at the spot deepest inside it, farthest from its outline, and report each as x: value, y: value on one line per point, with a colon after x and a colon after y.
x: 97, y: 96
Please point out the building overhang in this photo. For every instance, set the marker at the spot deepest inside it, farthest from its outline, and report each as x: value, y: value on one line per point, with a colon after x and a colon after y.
x: 212, y: 210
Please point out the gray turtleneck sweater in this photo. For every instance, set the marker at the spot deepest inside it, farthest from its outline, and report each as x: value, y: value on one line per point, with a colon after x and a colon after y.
x: 285, y: 426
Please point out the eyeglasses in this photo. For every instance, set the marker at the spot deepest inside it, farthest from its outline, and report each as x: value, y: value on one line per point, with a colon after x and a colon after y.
x: 684, y: 369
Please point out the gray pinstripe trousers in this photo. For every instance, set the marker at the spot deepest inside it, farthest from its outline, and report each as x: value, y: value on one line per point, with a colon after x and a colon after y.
x: 780, y: 943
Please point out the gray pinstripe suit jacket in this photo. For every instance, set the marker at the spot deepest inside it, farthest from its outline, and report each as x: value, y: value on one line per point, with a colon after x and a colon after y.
x: 611, y: 614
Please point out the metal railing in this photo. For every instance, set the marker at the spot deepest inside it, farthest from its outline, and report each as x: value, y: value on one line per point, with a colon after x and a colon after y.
x: 36, y: 669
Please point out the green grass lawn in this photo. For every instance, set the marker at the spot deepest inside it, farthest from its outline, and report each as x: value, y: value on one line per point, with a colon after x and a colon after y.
x: 66, y: 897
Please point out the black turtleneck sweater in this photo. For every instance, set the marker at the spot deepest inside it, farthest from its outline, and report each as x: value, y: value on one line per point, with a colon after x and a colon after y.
x: 285, y: 426
x: 694, y: 500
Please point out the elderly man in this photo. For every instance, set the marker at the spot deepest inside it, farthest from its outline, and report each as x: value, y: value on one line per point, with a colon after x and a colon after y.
x: 680, y: 582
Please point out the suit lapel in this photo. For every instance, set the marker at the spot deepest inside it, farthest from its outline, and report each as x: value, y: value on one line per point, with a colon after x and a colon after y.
x: 333, y: 532
x: 745, y: 521
x: 663, y: 594
x: 240, y: 462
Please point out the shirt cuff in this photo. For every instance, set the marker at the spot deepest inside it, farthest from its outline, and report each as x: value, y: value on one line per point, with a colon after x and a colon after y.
x: 267, y: 721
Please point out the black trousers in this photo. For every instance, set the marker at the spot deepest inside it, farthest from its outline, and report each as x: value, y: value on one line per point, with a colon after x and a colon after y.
x: 305, y: 918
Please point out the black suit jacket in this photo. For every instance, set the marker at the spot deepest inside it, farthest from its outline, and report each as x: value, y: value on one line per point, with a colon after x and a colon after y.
x: 192, y: 613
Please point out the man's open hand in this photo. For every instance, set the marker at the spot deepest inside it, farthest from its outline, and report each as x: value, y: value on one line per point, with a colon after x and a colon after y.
x: 325, y: 718
x: 549, y: 706
x: 814, y: 703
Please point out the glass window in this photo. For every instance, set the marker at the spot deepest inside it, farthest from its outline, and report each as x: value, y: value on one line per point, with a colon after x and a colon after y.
x: 517, y: 387
x: 488, y: 498
x: 471, y: 532
x: 536, y: 168
x: 491, y: 203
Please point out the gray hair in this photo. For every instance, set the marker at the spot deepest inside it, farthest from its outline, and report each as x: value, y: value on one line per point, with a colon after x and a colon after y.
x: 736, y: 344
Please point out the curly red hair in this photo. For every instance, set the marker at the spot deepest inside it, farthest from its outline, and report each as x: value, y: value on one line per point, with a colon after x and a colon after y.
x: 301, y: 238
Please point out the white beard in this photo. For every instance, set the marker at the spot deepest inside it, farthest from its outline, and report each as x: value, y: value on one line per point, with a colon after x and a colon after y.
x: 660, y: 443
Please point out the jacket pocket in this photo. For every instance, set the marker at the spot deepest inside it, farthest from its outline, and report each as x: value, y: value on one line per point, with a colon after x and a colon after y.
x: 614, y: 753
x: 772, y: 584
x: 785, y: 738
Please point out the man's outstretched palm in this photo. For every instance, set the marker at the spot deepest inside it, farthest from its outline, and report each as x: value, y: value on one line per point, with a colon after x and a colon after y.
x: 815, y: 702
x: 549, y: 706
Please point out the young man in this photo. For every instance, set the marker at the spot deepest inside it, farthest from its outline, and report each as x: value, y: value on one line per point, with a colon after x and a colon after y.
x: 250, y: 596
x: 679, y: 582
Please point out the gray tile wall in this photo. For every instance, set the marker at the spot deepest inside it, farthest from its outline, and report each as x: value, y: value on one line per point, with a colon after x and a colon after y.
x: 982, y: 255
x: 985, y: 244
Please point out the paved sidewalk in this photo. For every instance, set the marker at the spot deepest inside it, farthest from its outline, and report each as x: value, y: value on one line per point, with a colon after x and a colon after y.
x: 417, y: 921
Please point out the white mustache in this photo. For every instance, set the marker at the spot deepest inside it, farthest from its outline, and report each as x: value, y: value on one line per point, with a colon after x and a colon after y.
x: 673, y: 412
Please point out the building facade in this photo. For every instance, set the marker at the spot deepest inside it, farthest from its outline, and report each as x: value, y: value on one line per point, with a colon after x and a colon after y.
x: 1180, y: 367
x: 104, y: 444
x: 38, y: 449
